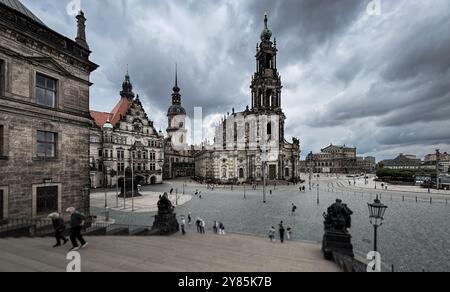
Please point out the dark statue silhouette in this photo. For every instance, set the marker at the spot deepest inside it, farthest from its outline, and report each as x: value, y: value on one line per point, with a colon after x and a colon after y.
x: 337, y: 239
x: 338, y: 217
x: 166, y: 220
x: 137, y: 180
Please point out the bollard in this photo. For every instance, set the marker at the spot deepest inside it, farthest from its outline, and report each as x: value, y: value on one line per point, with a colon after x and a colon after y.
x: 403, y: 198
x: 392, y: 268
x: 431, y: 200
x: 416, y: 199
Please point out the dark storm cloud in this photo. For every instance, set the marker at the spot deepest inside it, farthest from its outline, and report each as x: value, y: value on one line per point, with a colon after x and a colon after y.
x: 373, y: 82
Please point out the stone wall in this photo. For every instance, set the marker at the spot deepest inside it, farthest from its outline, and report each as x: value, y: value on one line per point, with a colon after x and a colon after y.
x: 23, y: 56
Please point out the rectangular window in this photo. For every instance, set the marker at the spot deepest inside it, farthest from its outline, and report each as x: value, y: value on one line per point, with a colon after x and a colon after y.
x: 120, y: 155
x: 152, y: 167
x: 120, y: 167
x: 45, y: 91
x: 2, y: 141
x: 1, y: 205
x: 46, y: 144
x: 2, y: 77
x: 47, y: 200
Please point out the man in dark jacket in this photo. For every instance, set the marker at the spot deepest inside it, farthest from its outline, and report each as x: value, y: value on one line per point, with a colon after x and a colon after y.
x: 76, y: 224
x: 60, y: 227
x: 282, y: 231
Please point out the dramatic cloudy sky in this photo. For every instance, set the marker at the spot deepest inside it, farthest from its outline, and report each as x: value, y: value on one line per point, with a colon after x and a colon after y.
x: 380, y: 83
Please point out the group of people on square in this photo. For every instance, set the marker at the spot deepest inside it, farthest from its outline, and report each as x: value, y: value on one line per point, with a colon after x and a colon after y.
x: 284, y: 233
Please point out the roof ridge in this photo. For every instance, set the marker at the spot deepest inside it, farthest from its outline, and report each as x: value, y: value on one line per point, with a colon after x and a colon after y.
x: 19, y: 7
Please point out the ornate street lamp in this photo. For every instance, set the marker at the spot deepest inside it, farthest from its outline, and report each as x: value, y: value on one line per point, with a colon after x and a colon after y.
x: 377, y: 210
x: 85, y: 197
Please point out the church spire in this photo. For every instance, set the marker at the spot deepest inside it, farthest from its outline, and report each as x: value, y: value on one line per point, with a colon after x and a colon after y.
x: 266, y: 98
x: 176, y: 108
x: 266, y: 34
x: 127, y: 87
x: 176, y: 96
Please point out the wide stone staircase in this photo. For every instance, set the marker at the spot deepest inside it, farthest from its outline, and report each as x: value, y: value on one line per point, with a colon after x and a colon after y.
x: 177, y: 253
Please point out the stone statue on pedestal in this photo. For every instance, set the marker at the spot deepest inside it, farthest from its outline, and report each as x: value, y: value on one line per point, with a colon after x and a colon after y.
x: 130, y: 183
x: 166, y: 221
x: 337, y: 239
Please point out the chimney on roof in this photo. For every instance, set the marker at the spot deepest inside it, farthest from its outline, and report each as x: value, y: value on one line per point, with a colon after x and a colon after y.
x: 81, y: 30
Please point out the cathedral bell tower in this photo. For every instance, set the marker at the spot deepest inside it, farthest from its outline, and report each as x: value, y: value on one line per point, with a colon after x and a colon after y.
x: 176, y: 115
x: 266, y: 84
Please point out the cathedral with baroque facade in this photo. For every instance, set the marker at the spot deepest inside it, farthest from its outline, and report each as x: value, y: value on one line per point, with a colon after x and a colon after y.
x: 251, y: 145
x: 124, y: 137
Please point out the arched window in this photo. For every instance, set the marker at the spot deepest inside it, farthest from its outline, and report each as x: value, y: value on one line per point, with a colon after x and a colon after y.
x: 241, y: 173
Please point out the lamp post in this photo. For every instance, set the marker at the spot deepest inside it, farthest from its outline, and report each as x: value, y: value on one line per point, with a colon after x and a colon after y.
x: 376, y: 210
x: 132, y: 149
x: 85, y: 192
x: 310, y: 159
x: 264, y: 165
x: 438, y: 154
x: 318, y: 195
x: 106, y: 187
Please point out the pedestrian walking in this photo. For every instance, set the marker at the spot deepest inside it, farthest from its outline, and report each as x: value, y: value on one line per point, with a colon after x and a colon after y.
x: 203, y: 226
x: 289, y: 233
x: 294, y: 208
x: 281, y: 231
x: 77, y: 221
x: 221, y: 229
x: 198, y: 224
x: 216, y: 227
x: 60, y: 227
x: 189, y: 219
x: 272, y: 234
x: 271, y: 192
x: 183, y: 225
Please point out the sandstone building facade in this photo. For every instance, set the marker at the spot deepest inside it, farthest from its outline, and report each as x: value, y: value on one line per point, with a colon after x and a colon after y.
x: 44, y: 115
x: 122, y: 138
x: 338, y: 159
